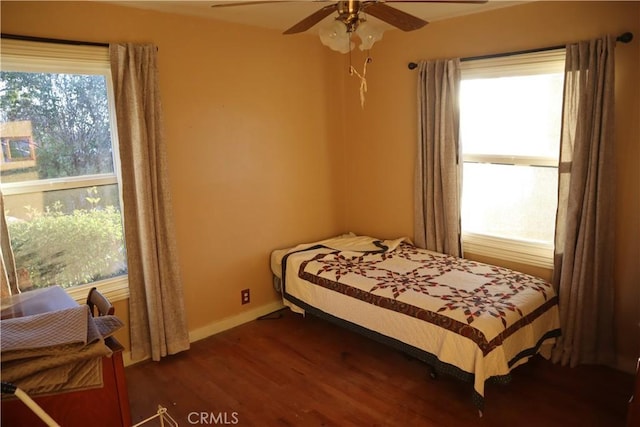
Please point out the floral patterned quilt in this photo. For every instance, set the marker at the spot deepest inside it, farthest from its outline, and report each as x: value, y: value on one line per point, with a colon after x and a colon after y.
x: 474, y: 320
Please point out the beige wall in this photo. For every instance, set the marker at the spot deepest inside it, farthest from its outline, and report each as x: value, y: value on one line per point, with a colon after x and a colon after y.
x: 250, y: 158
x: 268, y: 145
x: 382, y: 137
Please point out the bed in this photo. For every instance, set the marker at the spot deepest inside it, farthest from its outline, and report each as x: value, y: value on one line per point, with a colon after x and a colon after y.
x: 474, y: 321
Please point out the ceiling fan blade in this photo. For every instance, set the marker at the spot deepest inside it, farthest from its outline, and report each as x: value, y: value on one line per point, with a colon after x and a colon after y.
x: 312, y: 19
x: 436, y: 1
x: 228, y: 3
x: 395, y: 17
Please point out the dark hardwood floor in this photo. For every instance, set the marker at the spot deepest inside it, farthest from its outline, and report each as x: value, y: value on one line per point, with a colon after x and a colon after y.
x: 297, y: 371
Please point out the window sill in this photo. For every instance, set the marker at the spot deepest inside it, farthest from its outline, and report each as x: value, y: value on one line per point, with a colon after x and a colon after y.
x: 116, y: 289
x: 524, y: 252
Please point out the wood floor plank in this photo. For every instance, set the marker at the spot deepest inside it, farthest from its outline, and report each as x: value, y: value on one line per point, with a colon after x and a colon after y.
x: 303, y: 371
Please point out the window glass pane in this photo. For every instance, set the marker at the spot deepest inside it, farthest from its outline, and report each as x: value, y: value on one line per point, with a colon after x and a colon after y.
x: 516, y: 202
x: 59, y: 120
x: 66, y: 237
x: 518, y: 116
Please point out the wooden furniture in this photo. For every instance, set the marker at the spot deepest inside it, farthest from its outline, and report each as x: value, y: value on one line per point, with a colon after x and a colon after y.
x: 106, y: 406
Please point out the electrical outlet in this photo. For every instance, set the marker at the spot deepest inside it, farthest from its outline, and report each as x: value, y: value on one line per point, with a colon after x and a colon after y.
x: 245, y: 296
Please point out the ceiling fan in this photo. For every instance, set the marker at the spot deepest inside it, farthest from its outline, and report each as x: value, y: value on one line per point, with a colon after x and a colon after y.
x: 351, y: 19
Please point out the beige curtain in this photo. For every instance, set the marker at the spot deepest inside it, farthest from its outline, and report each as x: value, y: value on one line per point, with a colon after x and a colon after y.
x: 157, y: 316
x: 8, y: 275
x: 584, y: 246
x: 437, y: 178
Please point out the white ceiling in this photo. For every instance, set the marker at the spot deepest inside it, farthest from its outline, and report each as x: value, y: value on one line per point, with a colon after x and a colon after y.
x: 283, y: 14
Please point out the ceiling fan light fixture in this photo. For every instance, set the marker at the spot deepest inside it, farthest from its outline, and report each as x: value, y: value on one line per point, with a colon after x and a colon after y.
x: 336, y: 37
x: 368, y: 34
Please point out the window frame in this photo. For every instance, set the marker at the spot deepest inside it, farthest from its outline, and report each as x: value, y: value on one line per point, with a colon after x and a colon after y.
x: 42, y: 57
x: 539, y: 254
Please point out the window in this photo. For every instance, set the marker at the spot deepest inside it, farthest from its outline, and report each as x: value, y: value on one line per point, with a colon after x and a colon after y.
x: 510, y: 123
x: 59, y: 169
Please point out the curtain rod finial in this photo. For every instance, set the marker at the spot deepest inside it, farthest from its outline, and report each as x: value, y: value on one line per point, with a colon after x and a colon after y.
x: 625, y: 37
x: 412, y: 65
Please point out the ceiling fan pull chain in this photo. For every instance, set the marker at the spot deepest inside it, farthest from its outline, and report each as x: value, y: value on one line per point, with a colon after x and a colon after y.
x: 350, y: 63
x: 362, y: 77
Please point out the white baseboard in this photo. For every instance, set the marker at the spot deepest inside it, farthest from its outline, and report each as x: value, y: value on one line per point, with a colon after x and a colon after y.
x: 126, y: 359
x: 233, y: 321
x: 220, y: 326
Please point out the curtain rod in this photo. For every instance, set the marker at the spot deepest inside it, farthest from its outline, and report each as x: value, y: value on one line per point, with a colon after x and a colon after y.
x: 624, y: 38
x: 50, y: 40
